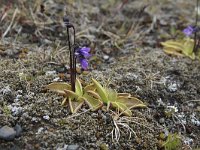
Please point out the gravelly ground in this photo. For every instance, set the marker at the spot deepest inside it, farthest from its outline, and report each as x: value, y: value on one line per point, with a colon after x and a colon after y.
x: 134, y: 62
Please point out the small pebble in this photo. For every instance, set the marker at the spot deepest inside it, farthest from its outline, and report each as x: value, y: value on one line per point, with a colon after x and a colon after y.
x: 94, y: 115
x: 56, y: 79
x: 173, y: 87
x: 34, y: 119
x: 73, y: 147
x: 16, y: 110
x: 7, y: 133
x: 162, y: 120
x: 105, y: 57
x: 18, y: 130
x: 40, y: 130
x: 6, y: 90
x: 62, y: 148
x: 46, y: 117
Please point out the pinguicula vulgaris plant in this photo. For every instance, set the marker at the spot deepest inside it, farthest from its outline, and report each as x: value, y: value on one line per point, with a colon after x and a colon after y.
x: 94, y: 94
x: 190, y: 44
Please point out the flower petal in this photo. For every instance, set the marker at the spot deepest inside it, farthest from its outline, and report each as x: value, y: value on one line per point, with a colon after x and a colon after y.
x: 83, y: 52
x: 84, y: 63
x: 189, y: 30
x: 86, y: 54
x: 85, y: 49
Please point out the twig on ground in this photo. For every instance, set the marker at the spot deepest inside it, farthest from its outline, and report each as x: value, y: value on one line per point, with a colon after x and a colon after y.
x: 11, y: 23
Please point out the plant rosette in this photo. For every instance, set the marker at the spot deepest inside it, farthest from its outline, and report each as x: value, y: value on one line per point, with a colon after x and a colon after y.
x: 95, y: 96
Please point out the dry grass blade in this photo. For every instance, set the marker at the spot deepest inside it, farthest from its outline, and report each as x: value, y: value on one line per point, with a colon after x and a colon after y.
x: 111, y: 35
x: 11, y: 23
x: 78, y: 114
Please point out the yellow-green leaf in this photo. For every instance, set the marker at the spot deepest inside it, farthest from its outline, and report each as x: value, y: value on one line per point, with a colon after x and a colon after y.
x: 71, y: 94
x: 172, y: 51
x: 79, y: 88
x: 112, y: 94
x: 179, y: 47
x: 188, y: 48
x: 131, y: 102
x: 64, y: 102
x: 92, y: 102
x: 93, y: 94
x: 123, y: 95
x: 101, y: 91
x: 58, y: 87
x: 122, y: 108
x: 89, y: 87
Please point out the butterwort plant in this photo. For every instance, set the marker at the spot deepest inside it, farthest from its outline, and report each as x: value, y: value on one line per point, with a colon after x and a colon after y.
x: 93, y: 94
x: 190, y: 44
x: 192, y: 32
x: 75, y: 51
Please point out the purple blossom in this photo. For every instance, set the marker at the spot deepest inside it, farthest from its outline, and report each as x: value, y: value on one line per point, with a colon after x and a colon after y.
x: 83, y: 54
x: 189, y: 30
x: 84, y: 63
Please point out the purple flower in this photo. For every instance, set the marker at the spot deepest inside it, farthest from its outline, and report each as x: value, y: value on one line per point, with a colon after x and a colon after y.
x: 83, y: 54
x: 189, y: 30
x: 84, y: 63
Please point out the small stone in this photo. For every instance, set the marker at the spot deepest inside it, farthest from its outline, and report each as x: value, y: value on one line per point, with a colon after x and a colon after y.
x: 18, y: 130
x: 40, y: 130
x: 46, y: 117
x: 104, y: 117
x: 73, y: 147
x: 94, y: 115
x: 7, y: 133
x: 62, y: 148
x: 6, y: 90
x: 105, y: 57
x: 34, y: 119
x: 173, y: 87
x: 188, y: 141
x: 56, y: 79
x: 162, y: 120
x: 15, y: 110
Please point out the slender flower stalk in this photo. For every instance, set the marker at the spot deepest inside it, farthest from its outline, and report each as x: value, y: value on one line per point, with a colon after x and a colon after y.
x: 71, y: 53
x: 75, y: 52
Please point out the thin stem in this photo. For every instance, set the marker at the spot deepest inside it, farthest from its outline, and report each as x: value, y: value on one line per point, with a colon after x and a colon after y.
x: 71, y: 61
x: 72, y: 54
x: 196, y: 44
x: 73, y: 75
x: 74, y: 58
